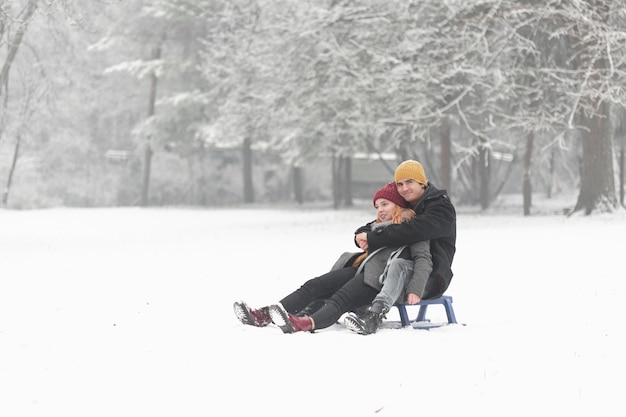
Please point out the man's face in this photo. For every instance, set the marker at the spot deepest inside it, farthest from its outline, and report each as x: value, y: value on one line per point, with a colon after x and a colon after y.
x: 410, y: 190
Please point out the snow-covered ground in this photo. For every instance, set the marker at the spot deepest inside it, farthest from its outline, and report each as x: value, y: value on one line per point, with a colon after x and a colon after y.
x: 128, y: 312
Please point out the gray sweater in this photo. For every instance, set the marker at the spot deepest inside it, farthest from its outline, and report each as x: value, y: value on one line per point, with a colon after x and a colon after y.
x: 374, y: 265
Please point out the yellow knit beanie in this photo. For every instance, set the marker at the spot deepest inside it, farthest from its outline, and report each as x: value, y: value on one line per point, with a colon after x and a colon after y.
x: 412, y: 170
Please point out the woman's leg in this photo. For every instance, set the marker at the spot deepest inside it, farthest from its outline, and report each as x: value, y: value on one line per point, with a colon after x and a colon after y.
x: 318, y: 288
x: 355, y: 293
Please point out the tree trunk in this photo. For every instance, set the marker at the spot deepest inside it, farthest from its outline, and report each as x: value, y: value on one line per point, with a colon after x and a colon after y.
x: 484, y: 174
x: 446, y: 157
x: 298, y: 184
x: 14, y: 43
x: 145, y: 189
x: 336, y: 179
x: 597, y: 186
x: 248, y: 187
x: 347, y: 182
x: 147, y: 164
x: 621, y: 176
x: 403, y: 152
x: 552, y: 182
x: 527, y: 186
x: 16, y: 152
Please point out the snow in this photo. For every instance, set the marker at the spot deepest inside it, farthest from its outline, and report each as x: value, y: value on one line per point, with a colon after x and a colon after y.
x: 128, y: 312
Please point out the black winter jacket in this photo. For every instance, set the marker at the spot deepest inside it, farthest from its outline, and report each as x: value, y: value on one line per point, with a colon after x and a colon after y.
x: 435, y: 220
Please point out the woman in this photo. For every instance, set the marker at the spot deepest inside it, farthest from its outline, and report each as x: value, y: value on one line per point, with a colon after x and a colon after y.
x: 344, y: 289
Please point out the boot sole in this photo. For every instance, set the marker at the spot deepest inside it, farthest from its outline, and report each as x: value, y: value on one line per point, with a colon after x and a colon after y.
x: 354, y: 324
x: 241, y: 311
x: 280, y: 318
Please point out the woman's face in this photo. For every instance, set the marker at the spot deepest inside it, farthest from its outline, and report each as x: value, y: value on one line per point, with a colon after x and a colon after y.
x: 384, y: 209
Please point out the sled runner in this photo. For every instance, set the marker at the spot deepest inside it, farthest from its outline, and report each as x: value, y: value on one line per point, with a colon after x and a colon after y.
x: 421, y: 321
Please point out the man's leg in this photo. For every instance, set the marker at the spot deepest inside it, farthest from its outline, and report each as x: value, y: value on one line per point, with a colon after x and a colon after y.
x: 398, y: 275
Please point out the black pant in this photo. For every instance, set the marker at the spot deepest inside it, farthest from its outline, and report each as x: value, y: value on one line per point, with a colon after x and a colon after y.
x: 342, y: 289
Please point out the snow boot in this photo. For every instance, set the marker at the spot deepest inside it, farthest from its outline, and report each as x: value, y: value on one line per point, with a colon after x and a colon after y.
x: 289, y: 323
x: 252, y: 317
x: 369, y: 323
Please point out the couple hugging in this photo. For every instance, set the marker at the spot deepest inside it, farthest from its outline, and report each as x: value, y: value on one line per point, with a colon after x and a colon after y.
x: 406, y: 256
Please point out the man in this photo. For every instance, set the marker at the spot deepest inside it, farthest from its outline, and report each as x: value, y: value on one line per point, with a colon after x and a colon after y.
x: 435, y: 221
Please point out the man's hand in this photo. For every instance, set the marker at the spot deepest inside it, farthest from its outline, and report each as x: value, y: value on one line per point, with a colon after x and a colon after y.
x: 412, y: 298
x: 361, y: 240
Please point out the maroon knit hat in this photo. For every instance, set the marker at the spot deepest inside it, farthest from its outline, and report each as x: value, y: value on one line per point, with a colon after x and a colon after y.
x: 390, y: 192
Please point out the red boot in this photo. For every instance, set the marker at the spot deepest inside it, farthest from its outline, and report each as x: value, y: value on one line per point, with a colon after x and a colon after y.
x: 252, y: 317
x: 289, y: 323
